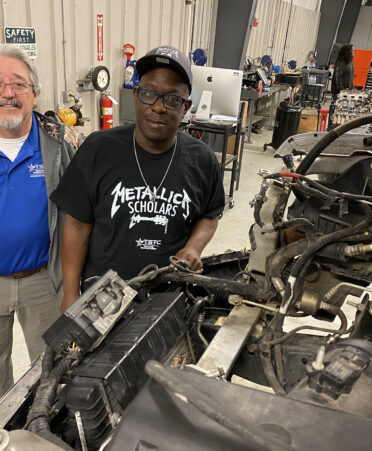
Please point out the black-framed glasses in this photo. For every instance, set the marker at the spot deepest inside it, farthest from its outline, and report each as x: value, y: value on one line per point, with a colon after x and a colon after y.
x: 170, y: 101
x: 18, y: 88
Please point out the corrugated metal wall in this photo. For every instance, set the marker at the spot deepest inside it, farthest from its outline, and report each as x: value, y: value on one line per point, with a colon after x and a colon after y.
x: 66, y: 37
x: 285, y: 31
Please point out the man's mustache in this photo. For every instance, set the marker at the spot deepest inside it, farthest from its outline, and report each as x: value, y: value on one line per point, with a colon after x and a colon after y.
x: 12, y: 102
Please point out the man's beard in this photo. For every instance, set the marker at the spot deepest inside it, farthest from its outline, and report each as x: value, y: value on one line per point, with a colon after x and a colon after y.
x: 12, y: 123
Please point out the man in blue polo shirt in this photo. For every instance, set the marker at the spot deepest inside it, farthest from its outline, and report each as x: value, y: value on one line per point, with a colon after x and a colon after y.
x: 34, y: 151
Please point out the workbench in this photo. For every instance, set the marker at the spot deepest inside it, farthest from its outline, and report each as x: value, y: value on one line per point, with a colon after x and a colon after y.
x: 253, y: 97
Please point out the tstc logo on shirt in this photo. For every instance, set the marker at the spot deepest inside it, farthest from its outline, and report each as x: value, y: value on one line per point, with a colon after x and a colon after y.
x: 150, y: 245
x: 36, y: 170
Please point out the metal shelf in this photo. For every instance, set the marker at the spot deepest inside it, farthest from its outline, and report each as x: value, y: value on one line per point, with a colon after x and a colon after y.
x: 257, y: 118
x: 229, y: 158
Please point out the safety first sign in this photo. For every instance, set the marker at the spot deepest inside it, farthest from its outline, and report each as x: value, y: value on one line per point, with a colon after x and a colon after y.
x: 22, y: 37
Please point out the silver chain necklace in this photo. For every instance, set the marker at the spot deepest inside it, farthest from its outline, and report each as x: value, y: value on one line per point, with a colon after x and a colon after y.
x: 155, y: 192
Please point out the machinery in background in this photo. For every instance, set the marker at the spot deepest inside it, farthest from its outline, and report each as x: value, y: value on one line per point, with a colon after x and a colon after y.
x: 350, y: 104
x: 71, y: 116
x: 257, y: 70
x: 98, y: 386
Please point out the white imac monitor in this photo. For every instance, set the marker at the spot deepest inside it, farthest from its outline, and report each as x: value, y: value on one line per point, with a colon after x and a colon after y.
x: 225, y: 85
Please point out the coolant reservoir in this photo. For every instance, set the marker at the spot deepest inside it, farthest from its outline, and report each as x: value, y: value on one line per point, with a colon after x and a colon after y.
x: 20, y: 440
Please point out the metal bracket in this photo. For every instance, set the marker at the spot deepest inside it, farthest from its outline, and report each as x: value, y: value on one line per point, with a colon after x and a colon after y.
x: 86, y: 83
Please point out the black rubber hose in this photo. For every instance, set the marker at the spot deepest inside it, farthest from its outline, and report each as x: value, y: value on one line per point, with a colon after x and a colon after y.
x: 216, y: 285
x: 302, y: 224
x: 366, y: 236
x: 198, y: 306
x: 338, y: 312
x: 328, y: 139
x: 334, y: 236
x: 335, y: 251
x: 331, y: 192
x: 268, y: 369
x: 265, y: 354
x: 308, y: 191
x: 279, y: 363
x: 317, y: 245
x: 283, y: 255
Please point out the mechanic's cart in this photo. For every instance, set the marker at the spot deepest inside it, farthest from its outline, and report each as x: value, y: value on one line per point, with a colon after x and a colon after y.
x: 228, y: 162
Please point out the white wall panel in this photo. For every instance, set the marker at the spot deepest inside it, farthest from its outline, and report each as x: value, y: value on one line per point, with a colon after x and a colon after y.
x: 278, y: 19
x: 313, y: 5
x: 362, y: 34
x: 66, y: 37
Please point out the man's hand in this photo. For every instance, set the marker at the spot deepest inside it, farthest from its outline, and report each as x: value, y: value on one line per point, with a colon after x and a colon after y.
x: 200, y: 236
x: 192, y: 257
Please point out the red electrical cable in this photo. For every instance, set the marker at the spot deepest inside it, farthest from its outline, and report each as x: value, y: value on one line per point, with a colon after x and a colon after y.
x: 289, y: 174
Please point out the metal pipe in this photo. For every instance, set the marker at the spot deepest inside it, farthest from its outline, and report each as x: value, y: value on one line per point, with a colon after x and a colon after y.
x: 64, y: 45
x: 191, y: 347
x: 198, y: 329
x: 275, y: 28
x: 186, y: 33
x: 335, y: 35
x: 329, y: 295
x: 238, y: 300
x: 357, y: 249
x: 192, y: 27
x: 286, y: 34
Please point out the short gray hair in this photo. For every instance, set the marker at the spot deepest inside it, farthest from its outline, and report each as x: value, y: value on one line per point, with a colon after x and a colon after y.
x: 11, y: 51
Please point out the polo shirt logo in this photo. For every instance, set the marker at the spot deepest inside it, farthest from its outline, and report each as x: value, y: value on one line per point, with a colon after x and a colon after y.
x: 36, y: 170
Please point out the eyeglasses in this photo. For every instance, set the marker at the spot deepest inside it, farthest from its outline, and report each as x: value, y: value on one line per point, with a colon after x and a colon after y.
x: 18, y: 88
x: 170, y: 101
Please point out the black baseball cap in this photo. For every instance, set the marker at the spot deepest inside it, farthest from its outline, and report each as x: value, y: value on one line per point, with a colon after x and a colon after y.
x: 166, y: 56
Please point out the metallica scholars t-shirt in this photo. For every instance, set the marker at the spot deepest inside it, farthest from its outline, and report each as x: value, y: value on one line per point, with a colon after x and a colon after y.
x: 103, y: 186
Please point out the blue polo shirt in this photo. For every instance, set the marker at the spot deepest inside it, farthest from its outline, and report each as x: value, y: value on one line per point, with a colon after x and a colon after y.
x: 24, y: 231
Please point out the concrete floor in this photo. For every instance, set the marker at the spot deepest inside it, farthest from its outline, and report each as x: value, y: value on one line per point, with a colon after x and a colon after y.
x: 233, y: 228
x: 232, y: 232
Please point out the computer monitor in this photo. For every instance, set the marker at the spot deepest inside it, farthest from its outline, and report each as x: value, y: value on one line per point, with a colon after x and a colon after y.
x: 225, y: 85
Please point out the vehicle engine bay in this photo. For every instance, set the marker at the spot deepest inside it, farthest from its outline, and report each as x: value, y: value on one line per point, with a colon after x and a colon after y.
x: 254, y: 353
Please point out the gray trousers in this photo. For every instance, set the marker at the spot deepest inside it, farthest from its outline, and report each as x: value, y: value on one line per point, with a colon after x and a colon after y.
x: 36, y: 307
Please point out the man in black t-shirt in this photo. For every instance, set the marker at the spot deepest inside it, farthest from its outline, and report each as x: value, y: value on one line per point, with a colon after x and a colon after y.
x: 137, y: 194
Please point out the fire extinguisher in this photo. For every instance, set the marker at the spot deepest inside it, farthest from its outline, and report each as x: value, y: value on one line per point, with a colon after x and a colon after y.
x: 107, y: 117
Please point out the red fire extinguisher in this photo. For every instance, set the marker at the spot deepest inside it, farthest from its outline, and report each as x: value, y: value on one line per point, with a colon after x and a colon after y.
x: 107, y: 117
